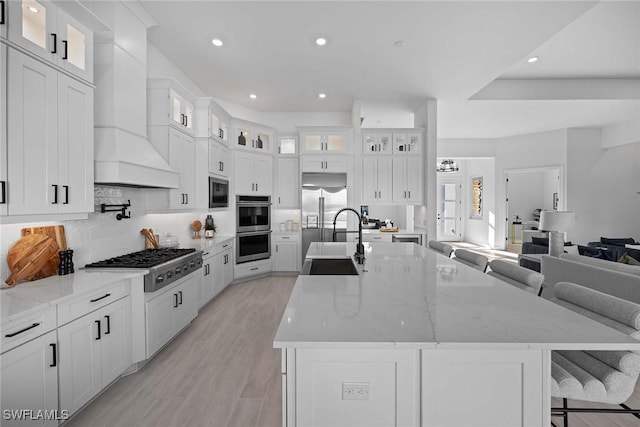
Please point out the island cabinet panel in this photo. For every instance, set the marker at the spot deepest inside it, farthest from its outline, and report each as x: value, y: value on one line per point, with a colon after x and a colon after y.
x: 485, y: 388
x: 352, y: 388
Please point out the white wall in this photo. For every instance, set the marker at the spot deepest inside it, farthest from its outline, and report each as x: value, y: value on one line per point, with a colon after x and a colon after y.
x: 602, y: 187
x: 289, y: 121
x: 159, y: 66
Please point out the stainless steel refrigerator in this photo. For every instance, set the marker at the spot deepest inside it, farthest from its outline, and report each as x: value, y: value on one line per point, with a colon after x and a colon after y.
x: 323, y: 195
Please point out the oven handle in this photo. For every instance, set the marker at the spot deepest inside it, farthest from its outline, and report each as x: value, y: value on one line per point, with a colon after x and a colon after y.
x: 253, y: 233
x: 256, y: 204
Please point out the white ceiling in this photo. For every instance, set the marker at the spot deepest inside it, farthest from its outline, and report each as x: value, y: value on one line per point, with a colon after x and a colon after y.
x: 453, y: 50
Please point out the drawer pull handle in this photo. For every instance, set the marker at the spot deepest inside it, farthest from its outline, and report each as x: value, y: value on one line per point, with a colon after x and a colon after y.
x: 22, y: 330
x: 55, y: 355
x: 102, y: 297
x: 254, y: 268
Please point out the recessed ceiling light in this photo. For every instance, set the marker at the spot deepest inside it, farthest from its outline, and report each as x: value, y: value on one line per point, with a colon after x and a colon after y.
x: 33, y: 9
x: 321, y: 41
x: 532, y: 59
x: 253, y: 96
x: 217, y: 42
x: 400, y: 43
x: 322, y: 95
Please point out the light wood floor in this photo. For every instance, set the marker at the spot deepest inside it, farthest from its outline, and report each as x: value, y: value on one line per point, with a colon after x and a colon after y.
x: 222, y: 371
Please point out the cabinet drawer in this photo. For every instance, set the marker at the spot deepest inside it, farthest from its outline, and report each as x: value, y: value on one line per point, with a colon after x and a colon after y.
x: 252, y: 268
x: 376, y: 237
x: 78, y: 307
x: 286, y: 237
x: 17, y: 332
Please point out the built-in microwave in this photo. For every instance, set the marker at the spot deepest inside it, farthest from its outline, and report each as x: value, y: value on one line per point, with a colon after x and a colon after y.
x: 218, y: 193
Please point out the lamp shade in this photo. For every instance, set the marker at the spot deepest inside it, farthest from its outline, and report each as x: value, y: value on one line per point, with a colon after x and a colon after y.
x: 556, y: 220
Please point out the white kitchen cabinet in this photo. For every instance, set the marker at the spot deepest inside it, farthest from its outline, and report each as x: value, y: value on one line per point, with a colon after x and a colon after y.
x: 169, y: 310
x: 217, y: 270
x: 252, y: 268
x: 326, y: 163
x: 168, y: 103
x: 219, y: 163
x: 327, y: 141
x: 178, y: 149
x: 3, y: 126
x: 376, y: 179
x: 286, y: 252
x: 377, y: 143
x: 287, y: 144
x: 407, y: 180
x: 211, y: 120
x: 49, y: 32
x: 251, y: 136
x: 223, y: 268
x: 50, y: 140
x: 29, y: 377
x: 288, y: 188
x: 253, y: 173
x: 407, y: 142
x: 376, y: 237
x: 94, y: 350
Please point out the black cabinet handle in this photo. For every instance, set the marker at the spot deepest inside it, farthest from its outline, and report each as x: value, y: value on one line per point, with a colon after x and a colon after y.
x: 66, y: 194
x: 55, y: 43
x: 254, y: 268
x: 108, y: 331
x: 22, y: 330
x: 66, y: 49
x: 2, y: 12
x: 186, y: 120
x: 175, y: 300
x: 187, y: 198
x: 3, y: 184
x: 180, y: 294
x: 99, y: 334
x: 55, y: 355
x: 102, y: 297
x: 55, y: 194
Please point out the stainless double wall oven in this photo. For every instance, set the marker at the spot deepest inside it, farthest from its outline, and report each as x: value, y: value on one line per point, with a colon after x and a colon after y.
x: 253, y: 228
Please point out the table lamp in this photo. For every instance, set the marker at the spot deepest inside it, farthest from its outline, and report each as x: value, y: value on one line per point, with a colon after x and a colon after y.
x: 556, y: 223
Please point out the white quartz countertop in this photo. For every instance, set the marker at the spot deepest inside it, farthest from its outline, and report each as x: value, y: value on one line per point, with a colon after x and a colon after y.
x: 403, y: 231
x: 29, y: 297
x: 409, y: 296
x: 204, y: 244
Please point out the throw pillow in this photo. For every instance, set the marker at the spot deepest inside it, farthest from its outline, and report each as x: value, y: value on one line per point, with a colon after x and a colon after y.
x: 571, y: 249
x: 591, y: 252
x: 542, y: 241
x: 617, y: 241
x: 626, y: 259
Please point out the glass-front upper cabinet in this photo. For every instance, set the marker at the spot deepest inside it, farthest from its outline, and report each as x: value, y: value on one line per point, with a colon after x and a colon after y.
x: 47, y: 31
x: 218, y: 128
x: 287, y: 144
x: 407, y: 143
x: 376, y: 143
x: 181, y: 112
x: 328, y: 142
x: 253, y: 137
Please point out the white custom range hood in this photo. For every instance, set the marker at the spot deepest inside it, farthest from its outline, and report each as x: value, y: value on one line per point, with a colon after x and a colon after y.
x: 125, y: 159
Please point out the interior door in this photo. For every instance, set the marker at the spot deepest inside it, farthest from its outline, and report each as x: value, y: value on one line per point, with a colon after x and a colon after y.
x: 449, y: 210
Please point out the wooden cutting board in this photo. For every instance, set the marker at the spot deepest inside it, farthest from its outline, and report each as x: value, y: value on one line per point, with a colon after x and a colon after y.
x: 56, y: 232
x: 32, y: 257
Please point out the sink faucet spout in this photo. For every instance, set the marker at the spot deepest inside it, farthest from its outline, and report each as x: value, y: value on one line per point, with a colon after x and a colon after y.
x: 359, y: 255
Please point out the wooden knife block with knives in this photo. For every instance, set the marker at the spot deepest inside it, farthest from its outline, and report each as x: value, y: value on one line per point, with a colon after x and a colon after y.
x: 35, y: 255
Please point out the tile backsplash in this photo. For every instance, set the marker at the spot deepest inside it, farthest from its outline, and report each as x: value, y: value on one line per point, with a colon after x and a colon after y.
x: 102, y: 235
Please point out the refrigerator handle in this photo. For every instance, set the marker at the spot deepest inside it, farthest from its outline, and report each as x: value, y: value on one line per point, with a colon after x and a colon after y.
x: 321, y: 217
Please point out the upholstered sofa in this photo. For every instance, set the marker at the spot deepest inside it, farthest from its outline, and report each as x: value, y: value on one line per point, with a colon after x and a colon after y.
x: 611, y: 249
x: 617, y: 279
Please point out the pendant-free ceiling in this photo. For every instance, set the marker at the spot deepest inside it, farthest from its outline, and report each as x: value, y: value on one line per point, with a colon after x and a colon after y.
x: 447, y: 165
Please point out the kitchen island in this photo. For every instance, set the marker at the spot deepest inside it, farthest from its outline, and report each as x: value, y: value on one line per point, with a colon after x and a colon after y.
x: 419, y: 339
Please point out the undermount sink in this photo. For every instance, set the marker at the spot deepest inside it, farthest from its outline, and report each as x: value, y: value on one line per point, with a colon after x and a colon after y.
x: 330, y: 266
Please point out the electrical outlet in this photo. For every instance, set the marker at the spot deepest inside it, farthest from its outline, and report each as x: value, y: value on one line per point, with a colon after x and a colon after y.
x: 355, y: 391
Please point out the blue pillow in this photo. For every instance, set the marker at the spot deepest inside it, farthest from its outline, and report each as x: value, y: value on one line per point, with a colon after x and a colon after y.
x: 617, y: 241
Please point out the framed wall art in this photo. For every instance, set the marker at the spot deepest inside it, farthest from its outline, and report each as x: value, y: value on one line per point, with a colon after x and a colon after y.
x: 476, y: 198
